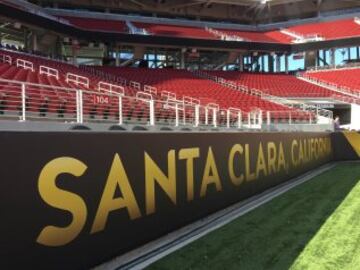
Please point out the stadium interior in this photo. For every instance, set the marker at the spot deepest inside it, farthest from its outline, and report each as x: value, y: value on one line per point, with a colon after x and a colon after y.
x: 183, y: 65
x: 184, y: 108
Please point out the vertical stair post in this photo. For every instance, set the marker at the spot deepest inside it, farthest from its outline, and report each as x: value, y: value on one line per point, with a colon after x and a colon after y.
x: 23, y: 102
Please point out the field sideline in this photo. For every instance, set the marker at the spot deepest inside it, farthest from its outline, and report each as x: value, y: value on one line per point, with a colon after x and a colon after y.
x: 314, y: 226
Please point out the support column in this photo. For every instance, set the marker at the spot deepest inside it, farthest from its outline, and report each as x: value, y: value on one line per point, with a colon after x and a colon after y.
x: 34, y: 44
x: 74, y: 56
x: 75, y: 50
x: 26, y: 40
x: 58, y: 49
x: 286, y: 63
x: 106, y: 50
x: 271, y: 63
x: 251, y: 60
x: 241, y: 62
x: 263, y: 63
x: 182, y: 58
x: 332, y: 57
x: 139, y: 53
x: 256, y: 63
x: 317, y: 58
x: 310, y: 59
x: 325, y: 58
x: 117, y: 59
x: 278, y: 63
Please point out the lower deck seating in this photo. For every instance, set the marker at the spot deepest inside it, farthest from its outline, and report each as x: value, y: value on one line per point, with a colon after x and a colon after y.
x: 61, y: 101
x: 56, y: 96
x: 342, y: 78
x: 276, y: 84
x: 184, y: 83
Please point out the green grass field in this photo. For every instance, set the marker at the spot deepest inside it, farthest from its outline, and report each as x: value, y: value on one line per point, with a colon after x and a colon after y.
x: 314, y: 226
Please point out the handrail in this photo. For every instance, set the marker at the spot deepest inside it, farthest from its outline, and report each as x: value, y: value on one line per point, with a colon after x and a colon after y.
x: 77, y: 79
x: 265, y: 96
x: 37, y: 56
x: 24, y: 64
x: 108, y: 87
x: 45, y: 86
x: 191, y: 100
x: 83, y: 102
x: 168, y: 95
x: 6, y: 58
x: 150, y: 89
x: 213, y: 106
x: 135, y: 85
x: 143, y: 96
x: 49, y: 71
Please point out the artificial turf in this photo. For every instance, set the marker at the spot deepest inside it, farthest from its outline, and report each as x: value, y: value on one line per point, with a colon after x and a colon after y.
x: 314, y: 226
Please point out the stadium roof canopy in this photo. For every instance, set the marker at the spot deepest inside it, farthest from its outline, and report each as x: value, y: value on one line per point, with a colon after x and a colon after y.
x: 242, y: 11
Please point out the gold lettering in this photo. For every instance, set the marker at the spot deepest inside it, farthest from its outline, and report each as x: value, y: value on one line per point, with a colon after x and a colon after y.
x: 189, y: 155
x: 153, y: 174
x: 236, y: 180
x: 64, y: 200
x: 117, y: 178
x: 294, y: 145
x: 271, y: 152
x: 281, y: 161
x: 249, y: 175
x: 211, y: 175
x: 260, y: 163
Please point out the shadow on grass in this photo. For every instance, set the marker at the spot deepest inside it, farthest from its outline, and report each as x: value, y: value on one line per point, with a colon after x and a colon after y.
x: 273, y: 235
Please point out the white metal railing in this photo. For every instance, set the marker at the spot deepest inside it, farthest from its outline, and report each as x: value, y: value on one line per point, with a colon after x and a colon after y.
x: 290, y: 117
x: 233, y: 117
x: 135, y: 30
x: 46, y: 58
x: 211, y: 115
x: 144, y: 96
x: 51, y: 72
x: 357, y: 20
x: 313, y: 69
x: 353, y: 95
x: 21, y: 63
x: 168, y: 95
x: 111, y: 88
x: 279, y: 100
x: 213, y: 106
x: 27, y: 101
x: 150, y: 89
x: 6, y: 59
x: 191, y: 100
x: 135, y: 85
x: 223, y: 35
x: 300, y: 38
x: 77, y: 79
